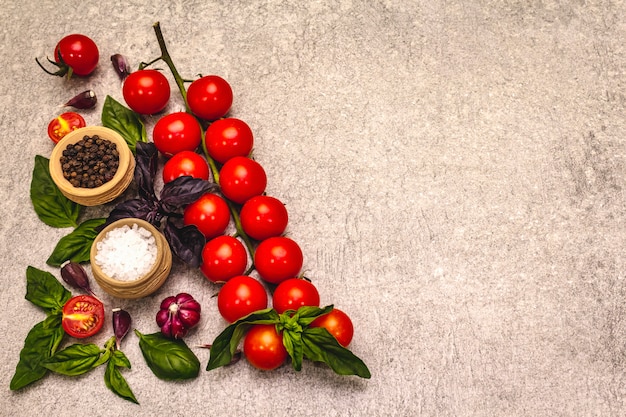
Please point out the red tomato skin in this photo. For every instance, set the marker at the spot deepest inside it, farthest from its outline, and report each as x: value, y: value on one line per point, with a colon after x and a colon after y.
x: 64, y: 124
x: 263, y: 217
x: 185, y: 163
x: 77, y: 308
x: 278, y: 258
x: 210, y: 214
x: 263, y: 347
x: 242, y: 178
x: 210, y: 97
x: 176, y: 132
x: 338, y: 324
x: 227, y: 138
x: 146, y: 91
x: 293, y: 293
x: 79, y: 52
x: 223, y: 258
x: 240, y: 296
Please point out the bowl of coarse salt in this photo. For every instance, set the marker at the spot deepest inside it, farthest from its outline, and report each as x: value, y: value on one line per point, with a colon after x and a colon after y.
x: 130, y: 258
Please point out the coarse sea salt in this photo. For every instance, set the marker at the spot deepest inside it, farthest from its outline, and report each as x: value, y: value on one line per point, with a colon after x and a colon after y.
x: 126, y: 253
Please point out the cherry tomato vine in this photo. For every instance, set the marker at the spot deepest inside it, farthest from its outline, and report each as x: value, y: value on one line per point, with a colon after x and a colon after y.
x: 295, y: 326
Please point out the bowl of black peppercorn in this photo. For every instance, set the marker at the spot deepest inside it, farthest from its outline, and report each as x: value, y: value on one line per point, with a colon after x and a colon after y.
x: 92, y: 165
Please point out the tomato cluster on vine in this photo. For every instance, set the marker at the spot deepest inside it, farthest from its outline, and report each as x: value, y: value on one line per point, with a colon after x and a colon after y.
x: 260, y: 219
x: 208, y: 155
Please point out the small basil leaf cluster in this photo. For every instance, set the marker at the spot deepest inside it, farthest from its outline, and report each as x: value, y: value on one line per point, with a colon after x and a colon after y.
x: 186, y: 242
x: 78, y: 359
x: 56, y: 210
x: 43, y: 340
x: 300, y: 340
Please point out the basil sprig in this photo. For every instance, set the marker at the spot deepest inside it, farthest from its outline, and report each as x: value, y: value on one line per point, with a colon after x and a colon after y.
x: 51, y: 206
x: 124, y: 121
x: 300, y: 341
x: 113, y: 378
x: 43, y: 340
x: 170, y: 360
x: 78, y: 359
x: 186, y: 241
x: 76, y: 246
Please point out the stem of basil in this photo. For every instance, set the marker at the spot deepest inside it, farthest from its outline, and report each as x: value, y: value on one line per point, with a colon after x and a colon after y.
x: 180, y: 82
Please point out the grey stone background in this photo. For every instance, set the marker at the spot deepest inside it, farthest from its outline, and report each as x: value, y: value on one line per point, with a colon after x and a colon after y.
x: 454, y: 172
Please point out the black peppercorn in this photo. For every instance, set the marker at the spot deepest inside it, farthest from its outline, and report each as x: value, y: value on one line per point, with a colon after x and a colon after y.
x: 90, y: 162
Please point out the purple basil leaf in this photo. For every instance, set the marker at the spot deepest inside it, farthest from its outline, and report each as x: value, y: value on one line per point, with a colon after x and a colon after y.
x: 182, y: 191
x: 186, y: 242
x: 137, y: 208
x: 146, y: 157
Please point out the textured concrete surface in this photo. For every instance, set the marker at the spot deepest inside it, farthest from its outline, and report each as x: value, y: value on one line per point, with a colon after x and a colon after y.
x: 454, y: 172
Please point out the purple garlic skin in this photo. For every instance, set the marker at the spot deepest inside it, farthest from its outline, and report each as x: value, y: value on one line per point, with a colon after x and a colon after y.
x: 121, y: 325
x: 75, y: 275
x: 85, y: 100
x: 120, y: 64
x: 177, y: 315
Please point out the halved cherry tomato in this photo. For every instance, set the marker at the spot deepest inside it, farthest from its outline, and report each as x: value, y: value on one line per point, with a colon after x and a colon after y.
x: 64, y: 124
x: 83, y: 316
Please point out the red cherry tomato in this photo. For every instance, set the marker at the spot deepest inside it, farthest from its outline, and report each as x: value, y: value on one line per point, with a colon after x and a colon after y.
x: 223, y: 258
x: 210, y: 97
x: 146, y: 91
x: 78, y: 52
x: 294, y: 293
x: 277, y: 259
x: 242, y: 178
x: 227, y: 138
x: 83, y: 316
x: 64, y: 124
x: 176, y: 132
x: 185, y: 163
x: 263, y: 217
x: 240, y: 296
x: 210, y: 214
x: 263, y: 347
x: 338, y: 324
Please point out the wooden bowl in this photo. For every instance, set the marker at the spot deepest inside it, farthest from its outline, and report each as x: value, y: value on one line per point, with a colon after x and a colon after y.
x: 107, y: 191
x: 146, y: 284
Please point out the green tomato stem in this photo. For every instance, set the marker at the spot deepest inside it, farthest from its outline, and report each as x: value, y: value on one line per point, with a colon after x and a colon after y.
x: 165, y: 56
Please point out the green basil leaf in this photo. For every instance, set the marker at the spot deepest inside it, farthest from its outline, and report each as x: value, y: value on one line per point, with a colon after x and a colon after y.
x: 225, y: 344
x: 76, y: 246
x: 168, y: 359
x: 293, y: 343
x: 321, y: 346
x: 306, y: 315
x: 104, y: 358
x: 120, y: 359
x: 41, y: 343
x: 115, y: 381
x: 75, y: 359
x: 45, y: 291
x: 51, y: 206
x: 124, y: 121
